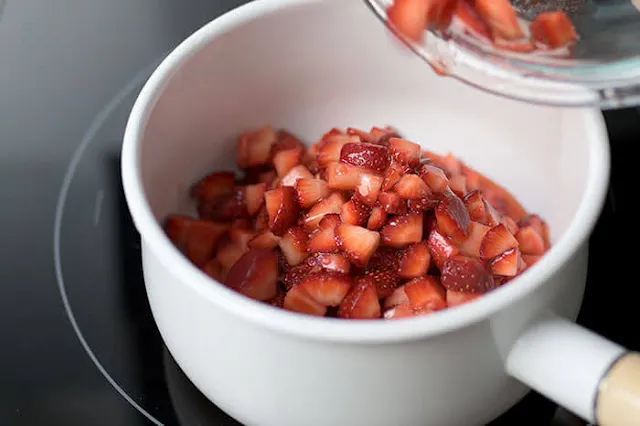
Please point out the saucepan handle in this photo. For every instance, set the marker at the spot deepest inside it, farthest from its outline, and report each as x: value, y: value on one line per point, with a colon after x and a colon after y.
x: 589, y: 375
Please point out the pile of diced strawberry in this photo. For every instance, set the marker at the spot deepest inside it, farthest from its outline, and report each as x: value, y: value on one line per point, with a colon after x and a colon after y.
x: 493, y: 20
x: 360, y: 225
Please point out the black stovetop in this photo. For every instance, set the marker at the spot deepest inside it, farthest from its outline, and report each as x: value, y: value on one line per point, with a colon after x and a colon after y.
x: 78, y: 343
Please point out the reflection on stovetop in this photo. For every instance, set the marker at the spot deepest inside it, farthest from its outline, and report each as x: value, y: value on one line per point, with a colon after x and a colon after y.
x: 176, y: 401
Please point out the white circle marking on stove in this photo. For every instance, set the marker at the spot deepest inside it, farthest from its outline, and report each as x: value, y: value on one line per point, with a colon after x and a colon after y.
x: 62, y: 198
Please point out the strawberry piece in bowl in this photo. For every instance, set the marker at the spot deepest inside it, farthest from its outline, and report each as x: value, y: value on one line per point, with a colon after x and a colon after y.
x: 327, y: 288
x: 214, y: 186
x: 466, y: 274
x: 411, y: 187
x: 497, y: 241
x: 361, y: 303
x: 255, y: 274
x: 415, y: 261
x: 310, y: 191
x: 553, y: 29
x: 366, y: 155
x: 254, y: 148
x: 282, y: 207
x: 441, y: 248
x: 405, y: 152
x: 357, y: 243
x: 452, y: 216
x: 400, y: 231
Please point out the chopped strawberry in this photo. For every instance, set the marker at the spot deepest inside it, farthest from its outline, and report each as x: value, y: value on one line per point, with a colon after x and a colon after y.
x: 400, y: 311
x: 478, y: 209
x: 331, y: 204
x: 501, y: 17
x: 382, y: 135
x: 518, y: 46
x: 177, y: 228
x: 441, y: 13
x: 241, y: 236
x: 466, y: 13
x: 530, y: 241
x: 507, y: 264
x: 214, y: 186
x: 457, y: 298
x: 540, y: 227
x: 511, y: 224
x: 400, y: 231
x: 497, y: 241
x: 392, y: 203
x: 228, y: 254
x: 421, y: 205
x: 404, y: 151
x: 323, y: 240
x: 310, y: 191
x: 501, y: 200
x: 298, y: 172
x: 392, y: 177
x: 441, y: 248
x: 364, y: 136
x: 385, y: 258
x: 330, y: 220
x: 254, y: 197
x: 330, y: 261
x: 286, y: 141
x: 265, y: 239
x: 412, y: 187
x: 294, y: 245
x: 470, y: 246
x: 255, y: 274
x: 197, y: 239
x: 377, y: 218
x: 409, y: 18
x: 369, y: 188
x: 361, y: 303
x: 553, y: 29
x: 327, y: 288
x: 295, y: 274
x: 329, y: 151
x: 466, y: 274
x: 452, y: 164
x: 415, y: 261
x: 298, y: 300
x: 213, y: 268
x: 452, y: 216
x: 285, y: 160
x: 254, y: 148
x: 355, y: 212
x: 426, y: 293
x: 458, y: 184
x: 397, y: 298
x: 343, y: 176
x: 366, y: 155
x: 386, y: 280
x: 434, y: 177
x: 227, y: 207
x: 357, y: 243
x: 530, y: 259
x: 282, y: 208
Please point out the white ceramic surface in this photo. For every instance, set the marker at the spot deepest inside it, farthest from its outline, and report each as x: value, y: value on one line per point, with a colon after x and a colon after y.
x: 309, y: 65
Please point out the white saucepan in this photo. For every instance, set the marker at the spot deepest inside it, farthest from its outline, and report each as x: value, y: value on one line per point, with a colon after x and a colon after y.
x: 309, y: 65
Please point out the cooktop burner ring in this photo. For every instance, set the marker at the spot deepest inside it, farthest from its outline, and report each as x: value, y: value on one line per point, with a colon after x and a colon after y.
x: 89, y: 136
